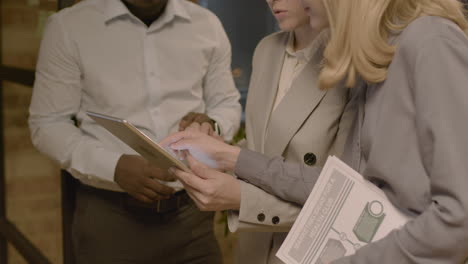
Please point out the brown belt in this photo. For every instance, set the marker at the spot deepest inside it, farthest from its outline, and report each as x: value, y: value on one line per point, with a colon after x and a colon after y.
x: 176, y: 201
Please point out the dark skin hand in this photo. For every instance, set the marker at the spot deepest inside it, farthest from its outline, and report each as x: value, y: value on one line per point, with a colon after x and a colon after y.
x: 206, y: 124
x: 139, y: 178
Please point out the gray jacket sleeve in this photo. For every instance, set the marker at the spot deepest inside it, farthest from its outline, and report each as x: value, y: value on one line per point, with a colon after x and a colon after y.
x: 289, y: 181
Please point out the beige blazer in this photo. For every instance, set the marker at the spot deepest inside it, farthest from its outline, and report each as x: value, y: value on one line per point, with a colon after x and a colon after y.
x: 305, y: 127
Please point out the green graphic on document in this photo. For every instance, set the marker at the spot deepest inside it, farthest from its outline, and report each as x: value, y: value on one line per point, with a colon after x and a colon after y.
x: 369, y: 222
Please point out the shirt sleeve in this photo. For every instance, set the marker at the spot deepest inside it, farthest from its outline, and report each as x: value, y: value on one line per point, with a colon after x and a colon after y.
x: 439, y: 81
x: 220, y: 94
x: 55, y: 102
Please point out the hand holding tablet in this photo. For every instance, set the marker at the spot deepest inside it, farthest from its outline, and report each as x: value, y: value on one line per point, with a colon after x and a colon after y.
x: 139, y: 142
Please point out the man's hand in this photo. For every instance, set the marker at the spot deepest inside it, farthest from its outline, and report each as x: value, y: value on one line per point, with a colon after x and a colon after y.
x: 137, y: 177
x: 204, y: 128
x: 206, y: 149
x: 211, y: 190
x: 197, y: 121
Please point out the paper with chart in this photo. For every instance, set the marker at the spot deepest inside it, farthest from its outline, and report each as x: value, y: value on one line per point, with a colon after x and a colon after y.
x: 343, y: 212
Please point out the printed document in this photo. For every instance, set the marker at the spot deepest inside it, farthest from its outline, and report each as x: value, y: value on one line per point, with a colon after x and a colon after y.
x: 343, y: 213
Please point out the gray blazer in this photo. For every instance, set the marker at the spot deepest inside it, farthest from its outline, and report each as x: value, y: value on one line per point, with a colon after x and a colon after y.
x: 410, y: 139
x: 305, y: 127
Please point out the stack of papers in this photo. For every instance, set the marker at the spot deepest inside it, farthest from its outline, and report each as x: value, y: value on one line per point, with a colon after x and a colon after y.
x: 343, y: 213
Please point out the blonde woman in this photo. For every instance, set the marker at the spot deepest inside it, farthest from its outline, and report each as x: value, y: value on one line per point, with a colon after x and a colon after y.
x: 286, y: 115
x: 409, y: 137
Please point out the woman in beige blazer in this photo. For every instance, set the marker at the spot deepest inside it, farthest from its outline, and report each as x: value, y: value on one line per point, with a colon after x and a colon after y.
x: 409, y: 138
x: 288, y: 115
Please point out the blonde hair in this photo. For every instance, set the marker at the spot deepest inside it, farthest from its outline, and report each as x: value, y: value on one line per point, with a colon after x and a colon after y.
x: 360, y: 30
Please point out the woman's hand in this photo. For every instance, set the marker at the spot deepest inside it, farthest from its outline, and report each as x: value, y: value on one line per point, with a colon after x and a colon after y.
x: 206, y: 149
x: 210, y: 189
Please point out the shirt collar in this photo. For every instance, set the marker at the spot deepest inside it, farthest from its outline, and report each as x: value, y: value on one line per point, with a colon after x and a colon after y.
x: 308, y: 52
x: 176, y: 8
x: 115, y: 8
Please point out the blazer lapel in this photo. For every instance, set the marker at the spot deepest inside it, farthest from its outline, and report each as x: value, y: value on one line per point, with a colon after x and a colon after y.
x: 267, y: 89
x: 301, y: 100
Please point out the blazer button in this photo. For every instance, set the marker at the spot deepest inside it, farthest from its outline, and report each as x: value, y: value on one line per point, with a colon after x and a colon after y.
x: 275, y: 220
x: 310, y: 159
x: 261, y: 217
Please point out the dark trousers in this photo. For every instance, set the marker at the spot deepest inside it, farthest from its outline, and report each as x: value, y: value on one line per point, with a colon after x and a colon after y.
x: 107, y: 231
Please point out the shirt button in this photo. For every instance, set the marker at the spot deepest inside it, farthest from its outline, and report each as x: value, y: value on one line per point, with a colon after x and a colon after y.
x: 310, y: 159
x: 261, y: 217
x: 275, y: 220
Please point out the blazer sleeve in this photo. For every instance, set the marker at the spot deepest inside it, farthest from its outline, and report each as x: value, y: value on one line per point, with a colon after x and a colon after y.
x: 439, y: 79
x: 262, y: 212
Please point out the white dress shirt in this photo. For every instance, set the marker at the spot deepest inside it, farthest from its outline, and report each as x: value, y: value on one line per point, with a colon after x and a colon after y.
x: 294, y: 63
x: 96, y: 56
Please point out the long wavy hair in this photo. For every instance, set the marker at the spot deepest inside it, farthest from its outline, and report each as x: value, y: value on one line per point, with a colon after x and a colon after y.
x: 360, y: 30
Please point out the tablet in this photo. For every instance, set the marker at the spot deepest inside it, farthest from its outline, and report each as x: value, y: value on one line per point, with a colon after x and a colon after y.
x: 138, y: 141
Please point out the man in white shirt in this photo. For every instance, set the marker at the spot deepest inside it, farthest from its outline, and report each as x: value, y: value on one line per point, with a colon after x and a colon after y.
x: 154, y: 63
